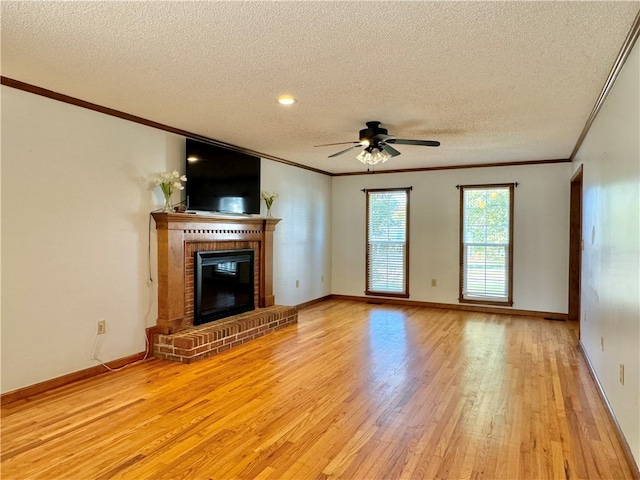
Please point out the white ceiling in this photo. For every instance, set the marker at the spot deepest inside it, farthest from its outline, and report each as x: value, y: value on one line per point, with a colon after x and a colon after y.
x: 492, y: 81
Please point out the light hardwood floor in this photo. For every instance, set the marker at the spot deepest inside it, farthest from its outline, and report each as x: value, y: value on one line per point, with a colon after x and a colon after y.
x: 354, y: 391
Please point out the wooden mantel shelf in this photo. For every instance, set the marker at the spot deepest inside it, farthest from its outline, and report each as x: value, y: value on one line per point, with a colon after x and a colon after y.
x: 176, y: 230
x: 178, y: 220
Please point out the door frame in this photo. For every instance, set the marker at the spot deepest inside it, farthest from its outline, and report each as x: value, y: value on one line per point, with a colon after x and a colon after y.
x: 575, y: 246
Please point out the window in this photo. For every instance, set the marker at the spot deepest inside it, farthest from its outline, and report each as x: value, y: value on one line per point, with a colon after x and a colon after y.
x: 388, y: 242
x: 486, y: 244
x: 227, y: 268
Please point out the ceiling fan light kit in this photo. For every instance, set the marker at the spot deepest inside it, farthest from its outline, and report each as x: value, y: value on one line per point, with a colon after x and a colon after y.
x: 376, y: 141
x: 373, y: 156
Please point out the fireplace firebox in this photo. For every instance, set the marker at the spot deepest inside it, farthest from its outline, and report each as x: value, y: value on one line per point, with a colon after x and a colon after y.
x: 223, y: 284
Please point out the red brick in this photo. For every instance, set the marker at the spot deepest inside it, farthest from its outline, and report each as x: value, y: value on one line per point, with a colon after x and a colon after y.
x: 186, y: 353
x: 184, y: 342
x: 228, y: 340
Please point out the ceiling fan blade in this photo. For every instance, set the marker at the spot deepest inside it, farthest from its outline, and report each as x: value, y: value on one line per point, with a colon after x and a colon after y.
x: 389, y: 149
x: 331, y: 144
x: 382, y: 137
x: 345, y: 150
x: 424, y: 143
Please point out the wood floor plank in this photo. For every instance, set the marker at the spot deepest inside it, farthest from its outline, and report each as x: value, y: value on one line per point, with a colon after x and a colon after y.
x: 353, y: 391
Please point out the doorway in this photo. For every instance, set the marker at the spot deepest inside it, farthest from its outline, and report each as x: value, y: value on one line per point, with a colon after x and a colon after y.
x: 575, y: 246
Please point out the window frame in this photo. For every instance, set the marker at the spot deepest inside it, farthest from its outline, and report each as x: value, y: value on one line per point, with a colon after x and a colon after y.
x: 378, y: 293
x: 488, y: 301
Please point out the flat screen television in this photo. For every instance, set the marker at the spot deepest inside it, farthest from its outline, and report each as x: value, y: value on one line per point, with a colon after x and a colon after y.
x: 221, y: 180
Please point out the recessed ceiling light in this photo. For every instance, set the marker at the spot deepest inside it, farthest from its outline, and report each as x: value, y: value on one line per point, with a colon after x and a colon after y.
x: 192, y: 159
x: 286, y: 100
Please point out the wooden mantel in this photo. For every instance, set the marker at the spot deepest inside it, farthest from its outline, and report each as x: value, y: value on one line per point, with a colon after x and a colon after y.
x: 176, y: 230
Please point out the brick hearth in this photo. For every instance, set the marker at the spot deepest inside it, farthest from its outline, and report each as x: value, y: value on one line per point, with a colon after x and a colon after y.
x: 198, y: 342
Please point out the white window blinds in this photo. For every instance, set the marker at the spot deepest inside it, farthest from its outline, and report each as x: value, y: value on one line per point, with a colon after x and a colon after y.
x: 387, y: 242
x: 486, y: 243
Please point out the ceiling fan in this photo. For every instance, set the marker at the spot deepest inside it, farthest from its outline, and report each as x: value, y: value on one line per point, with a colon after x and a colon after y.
x: 377, y: 144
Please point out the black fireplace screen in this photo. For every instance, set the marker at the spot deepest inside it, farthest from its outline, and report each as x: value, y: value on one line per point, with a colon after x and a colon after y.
x: 223, y: 284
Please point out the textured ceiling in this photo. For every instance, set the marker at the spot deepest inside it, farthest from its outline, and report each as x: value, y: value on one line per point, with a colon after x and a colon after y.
x: 492, y: 81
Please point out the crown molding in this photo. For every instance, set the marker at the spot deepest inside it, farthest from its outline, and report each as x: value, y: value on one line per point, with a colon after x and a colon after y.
x: 458, y: 167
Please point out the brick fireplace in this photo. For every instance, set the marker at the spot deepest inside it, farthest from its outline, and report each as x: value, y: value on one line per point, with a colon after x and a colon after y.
x: 180, y: 235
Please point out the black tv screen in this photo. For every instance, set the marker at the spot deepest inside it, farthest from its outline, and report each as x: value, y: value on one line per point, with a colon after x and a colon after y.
x: 221, y: 180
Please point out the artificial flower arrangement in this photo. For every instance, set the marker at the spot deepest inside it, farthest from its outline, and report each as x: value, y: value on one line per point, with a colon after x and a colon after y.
x: 169, y: 182
x: 268, y: 198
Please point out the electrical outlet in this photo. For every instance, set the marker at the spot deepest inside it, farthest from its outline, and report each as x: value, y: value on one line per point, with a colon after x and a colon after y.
x: 297, y: 283
x: 602, y: 343
x: 622, y: 373
x: 102, y: 327
x: 433, y: 282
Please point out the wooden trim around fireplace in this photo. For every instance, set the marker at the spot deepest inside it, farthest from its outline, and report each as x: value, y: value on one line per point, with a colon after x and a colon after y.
x: 176, y: 229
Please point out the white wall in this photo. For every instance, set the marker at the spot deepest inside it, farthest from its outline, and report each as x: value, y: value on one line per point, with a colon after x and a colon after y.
x: 302, y: 240
x: 76, y: 197
x: 610, y: 156
x: 541, y: 232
